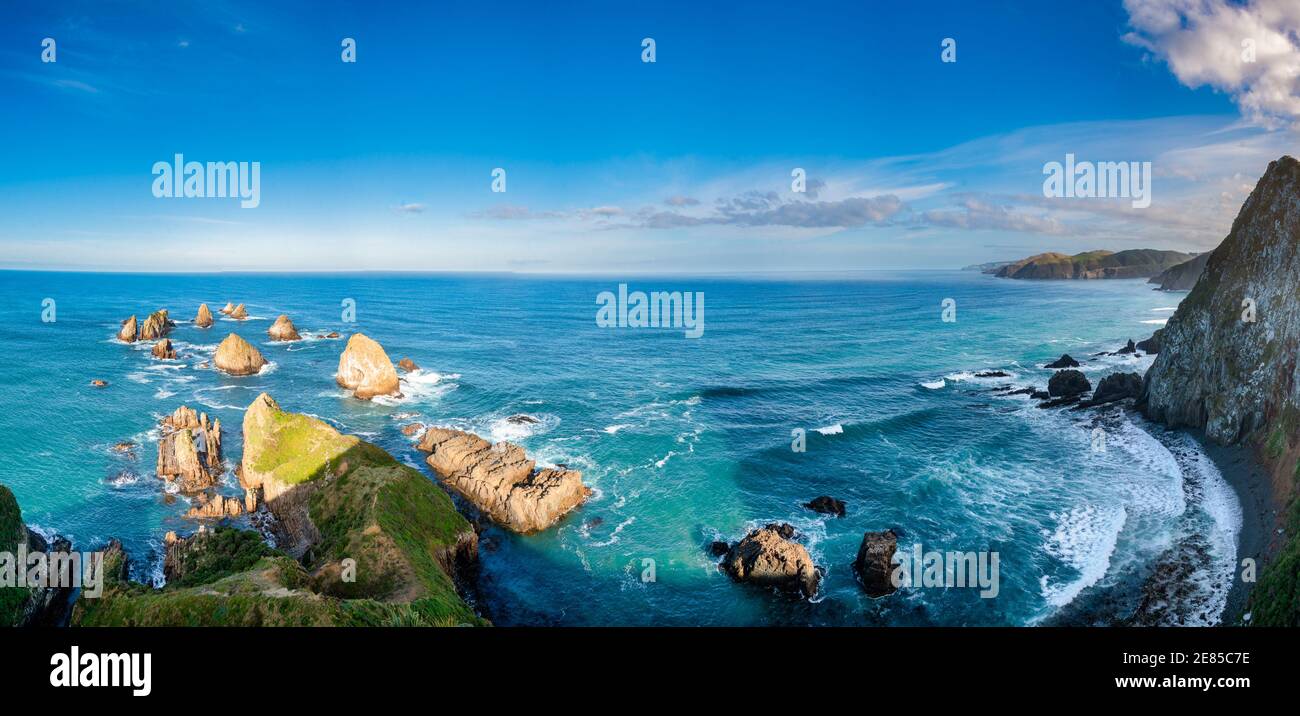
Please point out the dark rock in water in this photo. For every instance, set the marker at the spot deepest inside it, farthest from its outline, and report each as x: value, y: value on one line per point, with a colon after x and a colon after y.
x: 875, y: 563
x: 1040, y: 395
x: 1060, y: 402
x: 1130, y: 347
x: 1065, y: 361
x: 719, y: 548
x: 1067, y: 382
x: 826, y: 505
x: 1116, y: 386
x: 522, y: 419
x: 1152, y: 344
x: 595, y: 522
x: 993, y: 374
x: 1023, y: 391
x: 785, y: 529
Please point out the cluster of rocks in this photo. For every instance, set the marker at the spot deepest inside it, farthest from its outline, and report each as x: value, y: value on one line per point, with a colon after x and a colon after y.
x: 189, y: 450
x: 155, y: 326
x: 501, y: 481
x: 772, y: 557
x: 239, y: 313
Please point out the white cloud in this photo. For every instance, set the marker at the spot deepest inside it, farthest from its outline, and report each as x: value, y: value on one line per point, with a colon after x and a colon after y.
x: 1204, y: 42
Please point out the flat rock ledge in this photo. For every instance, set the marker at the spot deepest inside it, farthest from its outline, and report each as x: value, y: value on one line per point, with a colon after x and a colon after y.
x: 501, y: 481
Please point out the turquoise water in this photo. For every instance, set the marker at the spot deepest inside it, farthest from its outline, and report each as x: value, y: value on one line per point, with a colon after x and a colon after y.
x: 684, y: 441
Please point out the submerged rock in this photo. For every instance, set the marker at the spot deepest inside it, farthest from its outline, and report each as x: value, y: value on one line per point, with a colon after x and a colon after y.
x: 99, y: 383
x: 719, y: 548
x: 364, y: 368
x: 522, y: 419
x: 204, y: 318
x: 1065, y: 361
x: 826, y: 505
x: 237, y: 356
x: 1065, y: 383
x: 283, y: 330
x: 874, y: 565
x: 127, y: 332
x: 501, y: 481
x: 163, y: 350
x: 412, y: 428
x: 407, y: 365
x: 767, y: 558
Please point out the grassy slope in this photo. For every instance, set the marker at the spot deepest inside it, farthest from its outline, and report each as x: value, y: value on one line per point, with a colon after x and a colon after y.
x: 389, y: 517
x: 12, y: 533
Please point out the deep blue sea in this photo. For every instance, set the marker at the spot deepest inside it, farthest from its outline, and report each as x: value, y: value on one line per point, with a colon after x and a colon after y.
x: 684, y: 441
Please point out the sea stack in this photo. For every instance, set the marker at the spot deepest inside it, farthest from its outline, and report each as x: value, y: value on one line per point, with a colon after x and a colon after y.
x: 155, y: 326
x: 283, y: 330
x: 204, y: 319
x: 501, y: 481
x: 163, y: 350
x: 239, y: 313
x: 128, y: 330
x: 875, y: 563
x: 768, y: 558
x: 237, y: 356
x: 364, y: 368
x: 229, y: 307
x: 189, y: 450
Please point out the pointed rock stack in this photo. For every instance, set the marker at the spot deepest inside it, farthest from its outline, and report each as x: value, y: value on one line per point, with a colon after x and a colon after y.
x: 156, y: 326
x: 875, y: 563
x: 128, y: 330
x: 501, y: 481
x: 230, y: 307
x: 163, y: 350
x: 204, y: 318
x: 179, y: 457
x: 239, y: 313
x: 364, y: 368
x: 283, y: 330
x: 237, y: 356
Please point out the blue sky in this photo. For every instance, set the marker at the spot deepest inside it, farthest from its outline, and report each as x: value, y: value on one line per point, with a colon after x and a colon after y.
x: 613, y: 164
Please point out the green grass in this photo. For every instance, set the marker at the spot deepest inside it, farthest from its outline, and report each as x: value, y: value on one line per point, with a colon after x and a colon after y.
x: 12, y: 533
x: 1275, y: 600
x: 224, y: 552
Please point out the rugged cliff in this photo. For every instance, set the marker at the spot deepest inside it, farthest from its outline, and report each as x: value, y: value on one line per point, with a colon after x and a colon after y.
x: 1182, y: 277
x: 1227, y: 361
x: 365, y: 540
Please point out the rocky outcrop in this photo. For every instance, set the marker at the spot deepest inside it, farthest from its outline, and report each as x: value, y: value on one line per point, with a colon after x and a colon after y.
x: 283, y: 330
x: 1151, y: 345
x: 501, y: 481
x: 874, y: 565
x: 156, y: 326
x: 1227, y: 362
x: 204, y: 318
x: 216, y: 507
x: 1228, y: 354
x: 1065, y: 361
x: 766, y: 558
x: 127, y: 332
x: 1116, y: 386
x: 1132, y: 263
x: 826, y: 505
x: 31, y: 605
x: 1182, y: 277
x: 1129, y: 348
x: 364, y: 368
x: 163, y: 350
x: 1067, y: 383
x: 237, y: 356
x: 239, y: 313
x: 228, y: 308
x: 189, y: 450
x: 407, y: 365
x: 99, y: 383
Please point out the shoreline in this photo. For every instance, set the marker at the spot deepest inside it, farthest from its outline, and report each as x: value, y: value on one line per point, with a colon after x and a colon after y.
x: 1249, y: 480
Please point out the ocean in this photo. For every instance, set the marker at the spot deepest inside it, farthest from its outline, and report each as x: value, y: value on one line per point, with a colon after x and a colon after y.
x: 684, y: 441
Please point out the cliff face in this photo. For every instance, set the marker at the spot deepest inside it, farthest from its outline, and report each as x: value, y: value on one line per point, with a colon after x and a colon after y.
x: 1227, y: 362
x: 1222, y: 366
x: 1182, y: 277
x: 1132, y: 263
